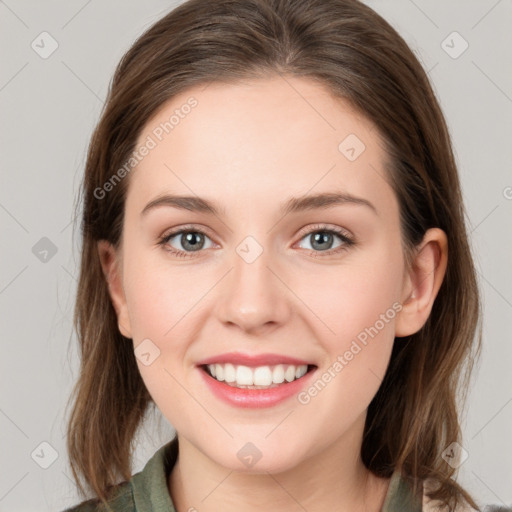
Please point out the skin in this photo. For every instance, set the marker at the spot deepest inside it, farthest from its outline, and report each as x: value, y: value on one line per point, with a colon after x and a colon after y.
x: 248, y: 147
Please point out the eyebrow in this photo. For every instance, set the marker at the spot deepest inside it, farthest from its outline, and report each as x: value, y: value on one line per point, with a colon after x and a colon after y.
x: 292, y: 205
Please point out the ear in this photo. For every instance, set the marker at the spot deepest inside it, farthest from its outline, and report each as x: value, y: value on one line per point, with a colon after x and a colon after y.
x: 422, y: 282
x: 111, y: 261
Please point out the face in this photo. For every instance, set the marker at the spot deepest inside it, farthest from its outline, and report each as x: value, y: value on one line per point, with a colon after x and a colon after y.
x: 251, y: 279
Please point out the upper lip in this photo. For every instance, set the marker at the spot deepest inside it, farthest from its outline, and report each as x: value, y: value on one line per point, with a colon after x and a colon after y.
x: 238, y: 358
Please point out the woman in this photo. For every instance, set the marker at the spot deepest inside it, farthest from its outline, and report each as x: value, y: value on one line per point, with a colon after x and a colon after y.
x: 275, y: 256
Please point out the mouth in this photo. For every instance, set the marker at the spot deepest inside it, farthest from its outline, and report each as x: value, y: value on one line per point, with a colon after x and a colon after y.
x: 258, y: 377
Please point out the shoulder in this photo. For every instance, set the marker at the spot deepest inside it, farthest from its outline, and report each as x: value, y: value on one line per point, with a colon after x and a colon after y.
x: 146, y: 490
x: 434, y: 505
x: 430, y: 505
x: 121, y: 500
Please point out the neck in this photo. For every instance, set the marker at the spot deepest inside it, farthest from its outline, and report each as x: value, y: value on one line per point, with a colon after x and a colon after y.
x: 333, y: 479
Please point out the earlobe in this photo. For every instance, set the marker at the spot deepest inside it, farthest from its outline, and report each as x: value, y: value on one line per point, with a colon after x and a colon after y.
x: 111, y: 265
x: 422, y: 282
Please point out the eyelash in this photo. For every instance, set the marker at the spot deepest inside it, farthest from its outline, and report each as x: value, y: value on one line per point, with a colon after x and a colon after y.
x: 319, y: 228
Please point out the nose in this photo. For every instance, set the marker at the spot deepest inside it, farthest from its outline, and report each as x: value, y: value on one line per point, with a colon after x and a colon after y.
x: 253, y: 297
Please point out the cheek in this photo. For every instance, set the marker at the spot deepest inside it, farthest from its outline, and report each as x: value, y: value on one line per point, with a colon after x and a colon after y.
x: 356, y: 363
x: 161, y: 302
x: 359, y: 306
x: 353, y: 296
x: 160, y: 295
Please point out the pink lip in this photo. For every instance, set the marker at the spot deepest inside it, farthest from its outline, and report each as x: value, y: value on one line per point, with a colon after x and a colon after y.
x: 252, y: 360
x: 255, y: 398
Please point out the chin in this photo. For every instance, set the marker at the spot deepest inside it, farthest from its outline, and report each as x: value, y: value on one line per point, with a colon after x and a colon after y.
x: 257, y: 457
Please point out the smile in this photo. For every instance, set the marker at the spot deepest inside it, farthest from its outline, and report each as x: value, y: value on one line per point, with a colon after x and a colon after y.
x: 260, y: 377
x: 255, y: 381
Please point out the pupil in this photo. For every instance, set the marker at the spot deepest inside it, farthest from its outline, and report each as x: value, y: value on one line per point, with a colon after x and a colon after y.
x: 322, y: 238
x: 192, y: 240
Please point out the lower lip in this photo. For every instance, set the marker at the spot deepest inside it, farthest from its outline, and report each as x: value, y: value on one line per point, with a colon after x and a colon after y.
x: 255, y: 398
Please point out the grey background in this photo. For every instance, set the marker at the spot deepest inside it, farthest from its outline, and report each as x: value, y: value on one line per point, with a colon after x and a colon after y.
x: 48, y: 109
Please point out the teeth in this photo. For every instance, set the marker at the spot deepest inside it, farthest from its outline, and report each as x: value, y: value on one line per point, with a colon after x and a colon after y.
x: 229, y: 373
x: 244, y: 376
x: 300, y: 371
x: 261, y: 376
x: 289, y: 374
x: 219, y: 372
x: 278, y: 374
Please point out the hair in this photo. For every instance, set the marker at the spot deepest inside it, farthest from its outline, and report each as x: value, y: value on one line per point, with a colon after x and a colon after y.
x: 346, y: 47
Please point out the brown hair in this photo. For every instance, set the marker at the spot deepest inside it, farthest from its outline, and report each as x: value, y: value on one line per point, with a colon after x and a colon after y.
x: 346, y: 46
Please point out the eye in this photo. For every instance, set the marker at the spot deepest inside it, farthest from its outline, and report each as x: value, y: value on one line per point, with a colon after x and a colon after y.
x: 322, y: 239
x: 184, y: 242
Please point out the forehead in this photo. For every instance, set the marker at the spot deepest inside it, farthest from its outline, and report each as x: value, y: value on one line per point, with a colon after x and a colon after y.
x: 259, y: 140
